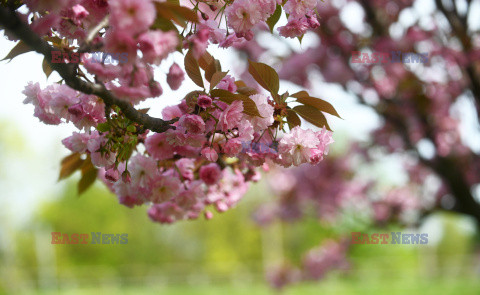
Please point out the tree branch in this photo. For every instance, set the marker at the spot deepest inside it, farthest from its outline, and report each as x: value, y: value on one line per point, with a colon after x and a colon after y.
x: 460, y: 30
x: 10, y: 21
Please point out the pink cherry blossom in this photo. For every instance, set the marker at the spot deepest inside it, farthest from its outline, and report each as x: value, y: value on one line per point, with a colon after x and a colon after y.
x: 298, y: 8
x: 204, y: 101
x: 175, y: 77
x: 210, y: 173
x: 294, y: 28
x: 210, y: 154
x: 131, y: 16
x: 192, y: 123
x: 158, y: 147
x: 119, y: 41
x: 295, y: 147
x: 156, y: 45
x: 242, y: 16
x: 164, y: 188
x: 227, y: 83
x: 142, y: 169
x: 231, y: 116
x: 265, y: 110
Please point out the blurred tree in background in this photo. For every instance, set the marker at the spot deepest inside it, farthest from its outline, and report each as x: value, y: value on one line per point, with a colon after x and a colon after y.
x: 428, y: 111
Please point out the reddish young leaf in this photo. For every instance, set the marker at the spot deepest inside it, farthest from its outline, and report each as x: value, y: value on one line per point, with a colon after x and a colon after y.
x: 319, y: 104
x: 89, y: 175
x: 212, y: 68
x: 176, y: 13
x: 293, y: 119
x: 20, y: 48
x: 205, y: 60
x: 312, y: 115
x: 69, y: 165
x: 265, y: 75
x: 46, y: 68
x: 216, y: 78
x: 192, y: 69
x: 246, y: 90
x: 240, y: 83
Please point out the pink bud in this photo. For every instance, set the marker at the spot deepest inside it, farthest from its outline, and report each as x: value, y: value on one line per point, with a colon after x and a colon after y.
x: 112, y: 174
x: 208, y: 215
x: 76, y: 110
x: 312, y: 21
x: 210, y: 154
x: 126, y: 178
x: 155, y: 89
x: 315, y: 156
x: 175, y: 77
x: 210, y: 174
x: 204, y: 101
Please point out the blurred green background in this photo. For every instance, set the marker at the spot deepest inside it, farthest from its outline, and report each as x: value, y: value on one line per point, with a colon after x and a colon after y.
x: 227, y: 254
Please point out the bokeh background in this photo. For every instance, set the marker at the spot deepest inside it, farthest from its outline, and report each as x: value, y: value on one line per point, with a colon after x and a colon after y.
x: 232, y: 253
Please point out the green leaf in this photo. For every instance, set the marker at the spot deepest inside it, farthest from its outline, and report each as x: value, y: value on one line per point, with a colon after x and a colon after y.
x: 46, y: 68
x: 164, y: 25
x: 300, y: 38
x: 293, y: 119
x: 216, y: 78
x: 319, y: 104
x: 131, y: 128
x: 249, y: 106
x: 265, y: 75
x: 192, y: 69
x: 69, y: 165
x: 273, y: 19
x: 312, y: 115
x: 103, y: 127
x: 20, y: 48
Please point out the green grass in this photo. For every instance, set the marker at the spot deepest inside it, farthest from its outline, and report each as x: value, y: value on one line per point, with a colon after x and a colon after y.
x: 394, y: 286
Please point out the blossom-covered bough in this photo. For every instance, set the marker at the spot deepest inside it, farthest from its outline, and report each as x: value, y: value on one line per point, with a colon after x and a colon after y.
x: 202, y: 152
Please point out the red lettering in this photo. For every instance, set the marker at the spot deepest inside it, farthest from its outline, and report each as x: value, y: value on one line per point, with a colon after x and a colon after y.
x: 55, y: 236
x: 56, y: 57
x: 355, y: 237
x: 365, y: 58
x: 356, y: 57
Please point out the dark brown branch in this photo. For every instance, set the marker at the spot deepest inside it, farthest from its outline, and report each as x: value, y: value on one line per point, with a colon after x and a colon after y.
x: 11, y: 22
x: 459, y: 28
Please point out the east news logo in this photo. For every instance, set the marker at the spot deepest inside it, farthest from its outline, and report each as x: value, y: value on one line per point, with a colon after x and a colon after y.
x: 389, y: 57
x: 383, y: 238
x: 97, y: 238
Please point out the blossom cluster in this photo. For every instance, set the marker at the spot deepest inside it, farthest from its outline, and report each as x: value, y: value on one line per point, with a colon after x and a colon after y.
x: 183, y: 170
x: 200, y: 160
